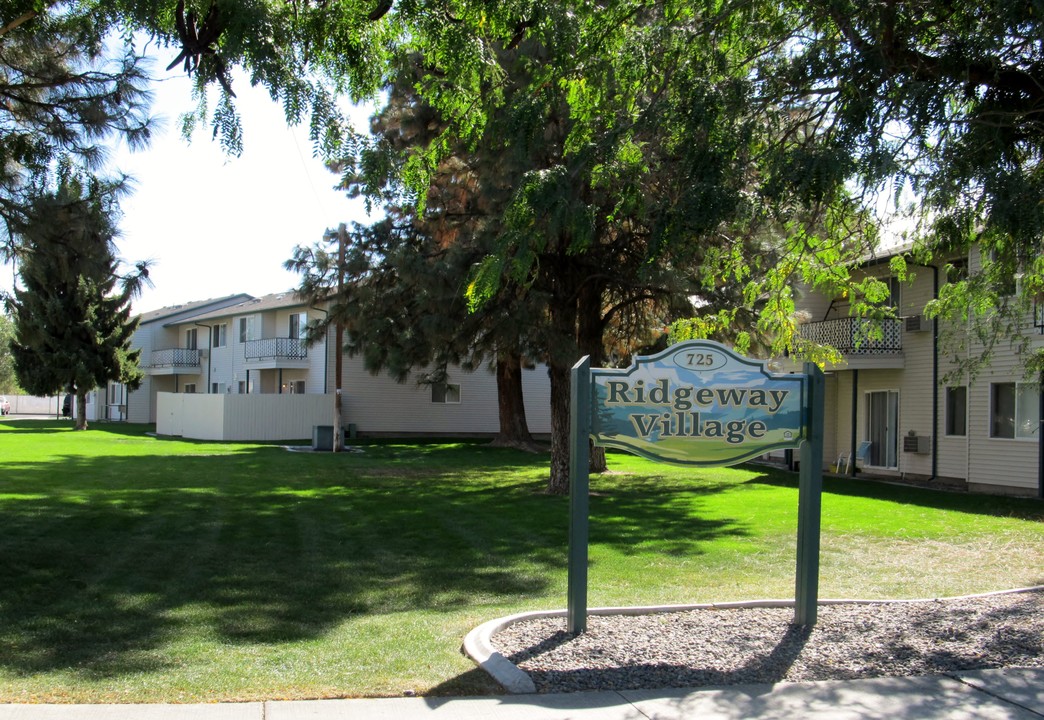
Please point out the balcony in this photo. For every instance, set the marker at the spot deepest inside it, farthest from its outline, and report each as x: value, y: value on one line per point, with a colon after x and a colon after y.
x: 851, y: 337
x: 274, y: 353
x: 174, y: 361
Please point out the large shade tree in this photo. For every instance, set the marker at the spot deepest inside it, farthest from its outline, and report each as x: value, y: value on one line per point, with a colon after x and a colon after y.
x: 660, y: 208
x: 940, y: 97
x: 940, y: 103
x: 72, y: 314
x: 944, y: 95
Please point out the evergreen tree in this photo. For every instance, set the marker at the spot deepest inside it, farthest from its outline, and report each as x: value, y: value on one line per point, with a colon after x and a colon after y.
x: 62, y: 96
x: 73, y: 325
x: 617, y: 227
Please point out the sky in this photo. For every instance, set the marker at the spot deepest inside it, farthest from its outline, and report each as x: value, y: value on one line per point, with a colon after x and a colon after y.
x: 215, y: 225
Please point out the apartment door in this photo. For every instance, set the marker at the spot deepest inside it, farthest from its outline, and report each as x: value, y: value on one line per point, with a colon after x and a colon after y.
x: 882, y: 428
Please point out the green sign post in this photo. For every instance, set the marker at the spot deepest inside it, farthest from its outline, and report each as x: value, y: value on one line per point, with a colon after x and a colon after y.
x: 697, y: 403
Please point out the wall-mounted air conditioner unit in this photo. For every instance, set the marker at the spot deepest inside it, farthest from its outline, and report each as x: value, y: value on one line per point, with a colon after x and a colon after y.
x: 920, y: 444
x: 917, y: 323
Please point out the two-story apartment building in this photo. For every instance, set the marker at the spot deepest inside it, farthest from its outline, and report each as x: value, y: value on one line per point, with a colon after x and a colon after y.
x: 171, y: 356
x: 899, y: 407
x: 242, y: 345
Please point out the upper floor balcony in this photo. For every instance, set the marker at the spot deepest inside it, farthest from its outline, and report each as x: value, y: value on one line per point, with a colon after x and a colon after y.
x: 174, y: 361
x: 276, y: 353
x: 855, y: 339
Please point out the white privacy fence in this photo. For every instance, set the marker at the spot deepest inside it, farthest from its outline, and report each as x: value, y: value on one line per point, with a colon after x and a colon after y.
x: 33, y: 405
x: 258, y: 417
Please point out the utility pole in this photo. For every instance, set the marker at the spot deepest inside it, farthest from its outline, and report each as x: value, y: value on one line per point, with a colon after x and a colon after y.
x: 338, y: 436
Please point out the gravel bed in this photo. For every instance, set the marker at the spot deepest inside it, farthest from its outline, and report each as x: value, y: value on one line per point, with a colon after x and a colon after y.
x: 759, y: 645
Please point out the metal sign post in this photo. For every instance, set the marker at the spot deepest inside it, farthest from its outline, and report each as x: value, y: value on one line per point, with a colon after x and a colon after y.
x: 579, y: 461
x: 810, y: 492
x: 697, y: 403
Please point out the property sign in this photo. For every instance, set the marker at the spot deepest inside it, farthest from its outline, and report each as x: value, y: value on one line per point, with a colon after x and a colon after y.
x: 697, y: 403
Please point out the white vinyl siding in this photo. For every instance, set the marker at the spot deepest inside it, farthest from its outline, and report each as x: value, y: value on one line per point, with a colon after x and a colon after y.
x: 378, y: 404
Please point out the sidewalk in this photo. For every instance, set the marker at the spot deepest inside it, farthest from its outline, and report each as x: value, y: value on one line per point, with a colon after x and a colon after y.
x: 1009, y: 694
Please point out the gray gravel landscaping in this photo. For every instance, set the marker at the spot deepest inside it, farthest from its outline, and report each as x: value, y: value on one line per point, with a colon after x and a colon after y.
x: 759, y: 645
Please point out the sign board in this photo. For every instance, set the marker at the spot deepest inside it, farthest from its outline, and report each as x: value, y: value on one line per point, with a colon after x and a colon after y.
x: 697, y: 403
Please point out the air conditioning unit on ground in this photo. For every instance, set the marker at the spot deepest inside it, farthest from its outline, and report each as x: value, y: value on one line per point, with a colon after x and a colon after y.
x: 917, y: 323
x: 920, y: 444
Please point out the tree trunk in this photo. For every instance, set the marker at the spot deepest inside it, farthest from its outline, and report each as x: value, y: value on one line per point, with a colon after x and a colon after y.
x: 558, y: 483
x: 590, y: 329
x: 562, y: 311
x: 81, y: 409
x: 514, y: 430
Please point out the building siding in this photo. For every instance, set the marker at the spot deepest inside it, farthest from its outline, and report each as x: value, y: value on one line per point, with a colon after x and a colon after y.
x: 1001, y: 464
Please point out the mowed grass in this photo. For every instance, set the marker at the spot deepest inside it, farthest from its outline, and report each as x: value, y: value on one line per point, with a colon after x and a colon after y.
x: 137, y: 569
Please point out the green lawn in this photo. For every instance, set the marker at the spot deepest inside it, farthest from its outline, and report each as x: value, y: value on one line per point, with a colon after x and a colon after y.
x: 136, y: 569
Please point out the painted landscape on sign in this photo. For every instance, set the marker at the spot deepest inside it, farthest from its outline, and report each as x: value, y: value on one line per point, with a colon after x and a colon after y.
x: 697, y: 403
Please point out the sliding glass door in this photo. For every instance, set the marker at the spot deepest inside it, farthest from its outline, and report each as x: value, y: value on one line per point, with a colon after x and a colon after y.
x: 882, y: 428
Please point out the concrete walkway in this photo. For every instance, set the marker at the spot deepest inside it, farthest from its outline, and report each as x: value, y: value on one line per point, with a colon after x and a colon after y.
x: 1009, y: 694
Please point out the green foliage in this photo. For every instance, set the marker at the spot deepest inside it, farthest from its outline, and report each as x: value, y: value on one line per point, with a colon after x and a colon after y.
x: 63, y: 95
x: 72, y: 315
x: 941, y: 101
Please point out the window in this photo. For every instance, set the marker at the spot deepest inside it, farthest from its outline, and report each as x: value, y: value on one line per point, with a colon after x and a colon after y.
x: 297, y: 387
x: 298, y: 323
x: 445, y: 393
x: 957, y: 410
x: 190, y: 388
x: 219, y: 336
x: 246, y: 329
x: 242, y: 387
x: 217, y: 388
x: 1014, y: 409
x: 894, y: 293
x: 192, y: 339
x: 957, y: 270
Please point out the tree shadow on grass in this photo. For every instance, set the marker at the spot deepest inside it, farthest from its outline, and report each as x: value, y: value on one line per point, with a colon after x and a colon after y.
x: 108, y: 559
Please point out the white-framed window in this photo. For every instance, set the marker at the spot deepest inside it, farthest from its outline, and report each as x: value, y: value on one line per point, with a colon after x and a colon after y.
x: 192, y: 338
x: 296, y: 387
x: 895, y: 293
x: 245, y: 326
x: 298, y: 323
x: 190, y: 388
x: 957, y: 410
x: 957, y: 270
x: 219, y: 335
x: 218, y: 388
x: 448, y: 393
x: 1014, y: 410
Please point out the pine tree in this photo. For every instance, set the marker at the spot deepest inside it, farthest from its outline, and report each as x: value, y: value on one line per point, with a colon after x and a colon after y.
x: 63, y: 95
x: 617, y: 229
x: 72, y: 313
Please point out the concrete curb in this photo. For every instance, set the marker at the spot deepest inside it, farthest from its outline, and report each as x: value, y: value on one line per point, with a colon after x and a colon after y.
x: 478, y: 644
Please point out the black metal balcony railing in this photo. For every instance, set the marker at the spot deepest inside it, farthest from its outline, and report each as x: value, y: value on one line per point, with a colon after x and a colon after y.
x: 174, y: 357
x: 275, y: 349
x: 853, y: 336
